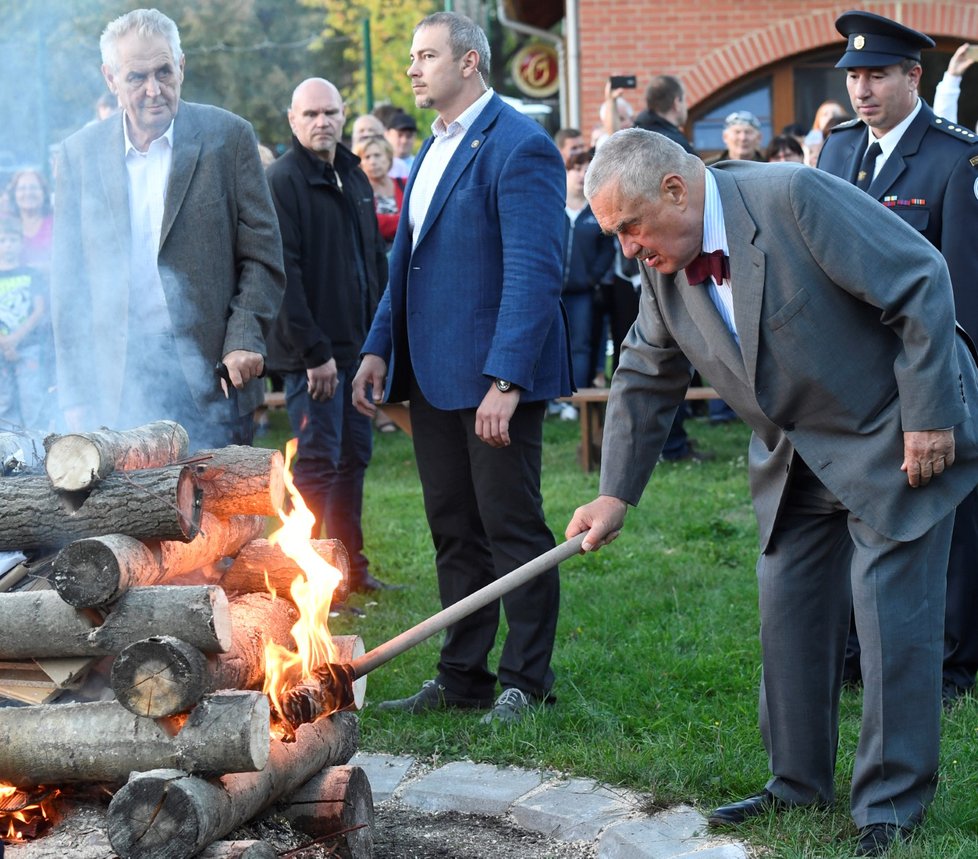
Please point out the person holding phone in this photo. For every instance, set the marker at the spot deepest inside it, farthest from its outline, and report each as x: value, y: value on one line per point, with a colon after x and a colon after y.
x: 949, y: 88
x: 615, y: 112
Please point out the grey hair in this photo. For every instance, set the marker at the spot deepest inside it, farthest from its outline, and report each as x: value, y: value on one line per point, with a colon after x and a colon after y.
x: 636, y: 161
x: 464, y: 35
x: 145, y: 23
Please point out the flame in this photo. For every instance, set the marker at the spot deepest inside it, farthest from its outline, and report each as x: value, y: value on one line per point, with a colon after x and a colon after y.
x: 25, y: 814
x: 312, y: 593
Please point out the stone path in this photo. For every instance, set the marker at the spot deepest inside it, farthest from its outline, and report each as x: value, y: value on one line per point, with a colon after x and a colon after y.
x: 567, y: 809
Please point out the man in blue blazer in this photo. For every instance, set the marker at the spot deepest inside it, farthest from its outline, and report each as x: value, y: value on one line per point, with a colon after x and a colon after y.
x: 470, y: 330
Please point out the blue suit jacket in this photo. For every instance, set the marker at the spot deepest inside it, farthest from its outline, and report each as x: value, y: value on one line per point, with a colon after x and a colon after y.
x: 478, y: 297
x: 931, y: 181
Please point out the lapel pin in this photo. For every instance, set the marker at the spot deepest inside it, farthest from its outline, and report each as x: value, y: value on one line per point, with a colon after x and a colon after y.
x: 475, y: 144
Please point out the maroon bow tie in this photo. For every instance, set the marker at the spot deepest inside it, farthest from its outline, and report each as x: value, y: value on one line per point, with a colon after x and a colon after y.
x: 716, y: 264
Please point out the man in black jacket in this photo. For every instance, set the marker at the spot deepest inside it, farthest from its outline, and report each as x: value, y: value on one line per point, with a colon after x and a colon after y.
x: 665, y: 110
x: 336, y: 270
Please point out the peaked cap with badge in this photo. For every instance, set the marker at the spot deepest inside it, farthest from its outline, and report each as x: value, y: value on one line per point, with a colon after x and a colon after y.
x: 875, y: 41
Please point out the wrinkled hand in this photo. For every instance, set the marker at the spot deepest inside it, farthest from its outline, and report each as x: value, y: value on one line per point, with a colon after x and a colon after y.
x: 368, y: 384
x: 321, y: 381
x: 602, y: 519
x: 493, y: 416
x: 242, y: 367
x: 926, y: 454
x: 960, y: 62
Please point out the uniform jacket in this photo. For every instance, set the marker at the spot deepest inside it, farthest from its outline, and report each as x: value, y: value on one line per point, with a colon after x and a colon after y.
x: 326, y: 311
x: 220, y: 257
x: 478, y: 296
x: 841, y: 352
x: 931, y: 181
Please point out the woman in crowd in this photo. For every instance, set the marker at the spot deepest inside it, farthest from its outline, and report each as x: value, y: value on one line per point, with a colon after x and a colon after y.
x: 376, y: 157
x: 30, y: 201
x: 784, y: 147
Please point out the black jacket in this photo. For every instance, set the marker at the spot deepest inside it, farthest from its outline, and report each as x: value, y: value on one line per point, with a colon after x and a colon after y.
x: 335, y: 263
x: 588, y: 252
x: 653, y: 122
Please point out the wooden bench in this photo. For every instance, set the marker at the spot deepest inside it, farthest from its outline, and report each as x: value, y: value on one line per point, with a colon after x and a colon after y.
x: 590, y: 403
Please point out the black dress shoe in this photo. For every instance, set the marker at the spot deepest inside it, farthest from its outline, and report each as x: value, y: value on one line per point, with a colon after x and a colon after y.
x: 737, y: 812
x: 877, y: 838
x: 368, y: 584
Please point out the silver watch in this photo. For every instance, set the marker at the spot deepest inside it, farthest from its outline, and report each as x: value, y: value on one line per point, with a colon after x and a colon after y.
x: 503, y: 385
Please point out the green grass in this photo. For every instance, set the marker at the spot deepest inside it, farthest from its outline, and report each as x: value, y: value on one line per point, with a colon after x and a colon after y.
x: 657, y: 657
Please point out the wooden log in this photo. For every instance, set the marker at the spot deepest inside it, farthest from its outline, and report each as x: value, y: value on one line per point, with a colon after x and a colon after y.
x: 39, y: 624
x: 104, y: 742
x: 156, y: 503
x: 78, y: 461
x: 241, y: 480
x: 97, y: 570
x: 163, y: 675
x: 260, y: 560
x: 327, y: 688
x: 337, y: 801
x: 168, y: 815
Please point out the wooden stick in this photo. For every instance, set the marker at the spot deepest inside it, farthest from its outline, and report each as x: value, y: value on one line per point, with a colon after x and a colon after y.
x: 39, y: 624
x: 104, y: 742
x: 166, y: 814
x: 80, y: 460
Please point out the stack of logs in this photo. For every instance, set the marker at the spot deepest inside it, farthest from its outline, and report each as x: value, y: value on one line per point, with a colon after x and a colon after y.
x: 144, y: 576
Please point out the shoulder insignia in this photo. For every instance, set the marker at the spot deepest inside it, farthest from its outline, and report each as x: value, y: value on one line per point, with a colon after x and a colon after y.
x: 842, y: 126
x: 952, y: 129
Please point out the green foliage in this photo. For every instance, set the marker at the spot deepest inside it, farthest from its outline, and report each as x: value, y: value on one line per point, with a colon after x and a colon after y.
x: 657, y: 657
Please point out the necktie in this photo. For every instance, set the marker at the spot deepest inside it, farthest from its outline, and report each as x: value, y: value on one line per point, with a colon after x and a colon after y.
x: 865, y: 176
x: 716, y: 263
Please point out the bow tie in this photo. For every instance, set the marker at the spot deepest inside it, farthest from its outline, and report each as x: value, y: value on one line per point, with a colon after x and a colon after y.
x: 716, y: 264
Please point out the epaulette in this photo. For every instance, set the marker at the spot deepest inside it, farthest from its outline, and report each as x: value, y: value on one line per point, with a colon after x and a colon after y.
x: 955, y: 130
x: 849, y: 123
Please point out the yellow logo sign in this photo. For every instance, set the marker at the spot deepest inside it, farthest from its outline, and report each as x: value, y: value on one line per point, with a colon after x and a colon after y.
x: 535, y: 70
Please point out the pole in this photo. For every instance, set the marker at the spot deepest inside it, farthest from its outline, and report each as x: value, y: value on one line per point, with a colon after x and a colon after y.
x: 368, y: 65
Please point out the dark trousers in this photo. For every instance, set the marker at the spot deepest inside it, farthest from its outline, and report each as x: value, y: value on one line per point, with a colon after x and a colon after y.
x: 335, y: 445
x: 485, y: 512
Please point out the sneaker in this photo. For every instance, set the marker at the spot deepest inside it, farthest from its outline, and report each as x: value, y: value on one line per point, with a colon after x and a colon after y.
x: 554, y: 408
x: 568, y: 412
x: 509, y: 707
x: 434, y: 696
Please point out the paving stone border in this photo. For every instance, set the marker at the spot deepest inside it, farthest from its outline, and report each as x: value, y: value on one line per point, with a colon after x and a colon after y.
x: 566, y: 809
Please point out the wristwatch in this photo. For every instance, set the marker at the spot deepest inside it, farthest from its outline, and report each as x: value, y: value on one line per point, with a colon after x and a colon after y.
x: 503, y: 385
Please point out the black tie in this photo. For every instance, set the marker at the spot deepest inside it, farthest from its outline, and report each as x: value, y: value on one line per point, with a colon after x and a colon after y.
x: 865, y: 176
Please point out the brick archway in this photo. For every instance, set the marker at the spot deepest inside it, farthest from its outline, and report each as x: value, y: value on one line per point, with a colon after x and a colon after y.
x: 789, y: 37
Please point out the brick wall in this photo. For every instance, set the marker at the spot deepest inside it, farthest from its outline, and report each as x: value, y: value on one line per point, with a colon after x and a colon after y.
x: 710, y: 45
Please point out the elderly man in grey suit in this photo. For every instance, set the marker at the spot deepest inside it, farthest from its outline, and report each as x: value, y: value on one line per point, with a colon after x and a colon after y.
x: 860, y: 394
x: 167, y: 267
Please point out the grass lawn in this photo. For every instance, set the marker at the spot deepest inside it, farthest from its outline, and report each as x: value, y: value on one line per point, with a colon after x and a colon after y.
x: 657, y: 657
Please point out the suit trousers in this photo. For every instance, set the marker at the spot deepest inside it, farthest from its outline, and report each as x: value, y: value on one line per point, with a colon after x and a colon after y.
x: 485, y: 512
x: 822, y: 559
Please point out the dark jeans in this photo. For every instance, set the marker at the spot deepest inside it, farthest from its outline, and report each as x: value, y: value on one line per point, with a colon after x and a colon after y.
x: 335, y: 444
x: 580, y: 312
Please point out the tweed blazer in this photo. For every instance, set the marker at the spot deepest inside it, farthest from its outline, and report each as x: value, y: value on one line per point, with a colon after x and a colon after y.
x: 845, y: 343
x: 220, y: 257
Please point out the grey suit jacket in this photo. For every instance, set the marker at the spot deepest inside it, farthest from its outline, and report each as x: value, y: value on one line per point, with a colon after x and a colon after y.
x: 848, y: 339
x: 220, y: 258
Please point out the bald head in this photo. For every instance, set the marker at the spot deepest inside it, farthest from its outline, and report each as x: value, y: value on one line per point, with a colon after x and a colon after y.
x: 367, y: 125
x: 317, y: 116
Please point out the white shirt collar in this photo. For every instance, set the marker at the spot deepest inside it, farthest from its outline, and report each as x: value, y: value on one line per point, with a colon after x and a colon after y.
x: 714, y: 229
x: 465, y: 119
x: 888, y: 142
x: 131, y: 147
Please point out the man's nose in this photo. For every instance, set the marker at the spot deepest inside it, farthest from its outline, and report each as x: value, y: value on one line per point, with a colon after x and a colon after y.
x: 152, y: 87
x: 628, y: 247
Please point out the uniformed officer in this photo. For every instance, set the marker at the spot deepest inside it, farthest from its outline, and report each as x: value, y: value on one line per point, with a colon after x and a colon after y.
x: 925, y: 169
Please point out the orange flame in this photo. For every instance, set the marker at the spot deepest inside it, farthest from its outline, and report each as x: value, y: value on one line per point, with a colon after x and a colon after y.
x: 25, y: 814
x: 311, y: 592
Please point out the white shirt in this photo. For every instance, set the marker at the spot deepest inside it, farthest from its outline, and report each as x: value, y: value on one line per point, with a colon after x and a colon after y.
x: 443, y: 146
x: 888, y: 142
x: 715, y: 239
x: 148, y: 174
x: 946, y: 96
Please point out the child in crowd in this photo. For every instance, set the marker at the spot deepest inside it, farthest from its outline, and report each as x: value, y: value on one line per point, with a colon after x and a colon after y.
x: 24, y: 348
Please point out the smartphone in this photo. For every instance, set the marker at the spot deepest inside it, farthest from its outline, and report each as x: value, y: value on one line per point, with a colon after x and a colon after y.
x: 623, y: 82
x: 971, y: 53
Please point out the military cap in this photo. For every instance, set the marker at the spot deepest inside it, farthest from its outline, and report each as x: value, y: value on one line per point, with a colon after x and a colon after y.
x: 875, y: 41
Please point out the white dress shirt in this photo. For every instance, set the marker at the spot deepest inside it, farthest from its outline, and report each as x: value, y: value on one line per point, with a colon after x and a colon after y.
x: 715, y: 239
x: 888, y: 142
x: 443, y: 146
x: 148, y: 174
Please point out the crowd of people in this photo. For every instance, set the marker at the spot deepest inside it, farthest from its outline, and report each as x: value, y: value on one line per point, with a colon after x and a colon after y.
x: 181, y: 263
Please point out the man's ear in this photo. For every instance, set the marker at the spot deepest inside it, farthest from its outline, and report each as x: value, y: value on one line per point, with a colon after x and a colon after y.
x: 470, y: 63
x: 109, y: 79
x: 673, y: 189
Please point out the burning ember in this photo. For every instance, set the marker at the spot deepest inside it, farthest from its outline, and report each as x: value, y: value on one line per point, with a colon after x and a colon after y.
x: 312, y: 594
x: 25, y: 815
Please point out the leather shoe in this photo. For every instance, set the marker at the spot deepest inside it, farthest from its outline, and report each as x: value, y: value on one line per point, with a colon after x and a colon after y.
x: 877, y: 838
x: 368, y: 584
x: 754, y: 806
x: 434, y: 696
